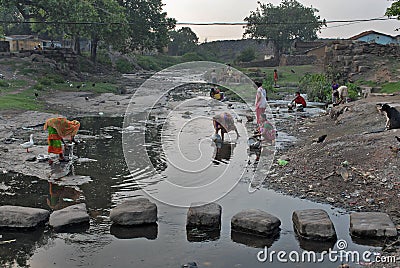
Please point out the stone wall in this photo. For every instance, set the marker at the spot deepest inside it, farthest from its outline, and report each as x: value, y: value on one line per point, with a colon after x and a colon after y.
x: 297, y: 60
x: 352, y: 58
x: 64, y: 56
x: 228, y: 50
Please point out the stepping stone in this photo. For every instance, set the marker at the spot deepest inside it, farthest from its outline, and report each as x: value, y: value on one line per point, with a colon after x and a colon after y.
x: 313, y: 224
x: 72, y: 215
x: 256, y: 221
x: 371, y: 224
x: 134, y: 212
x: 204, y: 215
x: 22, y: 217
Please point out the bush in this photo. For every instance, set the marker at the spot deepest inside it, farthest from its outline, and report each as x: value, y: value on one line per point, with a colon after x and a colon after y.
x: 316, y: 86
x: 38, y: 86
x: 4, y: 83
x: 124, y: 66
x: 45, y: 81
x: 58, y: 79
x: 148, y: 63
x: 192, y: 56
x: 247, y: 55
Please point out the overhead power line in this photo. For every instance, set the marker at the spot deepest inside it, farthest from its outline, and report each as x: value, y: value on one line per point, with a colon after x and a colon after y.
x: 193, y: 23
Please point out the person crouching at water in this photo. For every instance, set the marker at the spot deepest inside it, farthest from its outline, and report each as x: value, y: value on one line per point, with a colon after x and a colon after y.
x: 267, y: 130
x: 58, y: 129
x: 298, y: 101
x: 225, y: 123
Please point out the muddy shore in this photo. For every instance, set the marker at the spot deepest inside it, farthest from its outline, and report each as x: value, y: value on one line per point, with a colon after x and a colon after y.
x: 353, y: 168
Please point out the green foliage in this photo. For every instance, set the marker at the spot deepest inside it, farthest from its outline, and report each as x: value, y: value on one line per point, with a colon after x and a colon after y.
x: 191, y: 56
x: 56, y: 78
x: 182, y: 41
x: 247, y: 55
x: 38, y: 86
x: 391, y: 87
x: 148, y: 25
x: 316, y: 86
x: 45, y: 81
x: 124, y: 66
x: 394, y: 10
x: 148, y: 63
x: 4, y: 83
x: 20, y: 101
x: 283, y: 24
x: 353, y: 90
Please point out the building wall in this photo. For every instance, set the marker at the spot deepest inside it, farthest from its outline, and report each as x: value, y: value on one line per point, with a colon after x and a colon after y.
x: 377, y: 38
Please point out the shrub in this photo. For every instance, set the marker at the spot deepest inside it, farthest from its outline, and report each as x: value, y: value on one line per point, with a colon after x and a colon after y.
x: 124, y: 66
x: 316, y: 86
x: 45, y: 81
x: 4, y: 83
x: 192, y: 56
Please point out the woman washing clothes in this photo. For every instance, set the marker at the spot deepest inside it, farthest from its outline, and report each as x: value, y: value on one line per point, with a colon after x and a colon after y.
x: 225, y: 123
x: 58, y: 129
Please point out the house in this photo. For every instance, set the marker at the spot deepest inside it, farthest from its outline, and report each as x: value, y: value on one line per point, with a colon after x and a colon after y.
x: 23, y: 42
x: 376, y: 37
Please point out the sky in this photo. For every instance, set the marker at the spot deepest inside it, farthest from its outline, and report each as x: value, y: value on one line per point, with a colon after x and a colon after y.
x: 237, y: 10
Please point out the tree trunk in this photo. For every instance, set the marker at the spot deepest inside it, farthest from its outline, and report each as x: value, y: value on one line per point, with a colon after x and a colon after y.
x: 93, y: 49
x: 77, y: 45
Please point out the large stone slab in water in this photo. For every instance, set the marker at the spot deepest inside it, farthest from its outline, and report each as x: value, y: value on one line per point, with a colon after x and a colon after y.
x: 134, y: 212
x: 313, y: 224
x: 256, y: 221
x: 204, y: 215
x: 72, y: 215
x: 371, y: 224
x: 22, y: 217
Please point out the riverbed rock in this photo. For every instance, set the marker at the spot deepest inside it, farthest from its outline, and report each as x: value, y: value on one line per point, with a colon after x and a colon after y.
x: 255, y: 221
x: 134, y: 212
x: 204, y: 215
x: 72, y: 215
x: 371, y: 224
x: 22, y: 217
x: 313, y: 224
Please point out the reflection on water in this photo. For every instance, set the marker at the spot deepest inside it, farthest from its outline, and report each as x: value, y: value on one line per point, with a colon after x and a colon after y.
x: 149, y: 231
x: 223, y: 153
x: 202, y: 235
x: 167, y: 243
x: 252, y: 240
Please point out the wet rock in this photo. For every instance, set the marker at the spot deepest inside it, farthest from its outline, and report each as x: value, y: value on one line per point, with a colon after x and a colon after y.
x: 22, y: 217
x: 189, y: 265
x: 313, y: 224
x: 204, y: 215
x: 255, y: 221
x: 134, y: 212
x: 31, y: 159
x: 371, y: 224
x: 72, y: 215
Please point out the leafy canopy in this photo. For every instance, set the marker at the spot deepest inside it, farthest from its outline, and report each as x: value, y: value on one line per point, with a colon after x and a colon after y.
x: 283, y: 24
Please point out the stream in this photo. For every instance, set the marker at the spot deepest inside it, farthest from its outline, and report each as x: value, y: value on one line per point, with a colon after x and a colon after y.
x: 129, y: 168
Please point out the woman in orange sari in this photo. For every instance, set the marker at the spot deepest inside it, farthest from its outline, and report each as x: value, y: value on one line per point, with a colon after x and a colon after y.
x: 60, y: 128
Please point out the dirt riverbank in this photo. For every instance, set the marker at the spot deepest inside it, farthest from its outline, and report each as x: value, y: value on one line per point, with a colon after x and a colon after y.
x: 353, y: 168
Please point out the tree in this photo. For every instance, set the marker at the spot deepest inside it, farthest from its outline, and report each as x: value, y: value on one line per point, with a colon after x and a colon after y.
x: 182, y: 41
x: 283, y: 24
x: 112, y: 27
x: 247, y: 55
x: 148, y: 24
x: 394, y: 9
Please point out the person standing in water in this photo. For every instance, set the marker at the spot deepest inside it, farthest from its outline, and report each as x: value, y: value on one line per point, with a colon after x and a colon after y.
x: 261, y: 101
